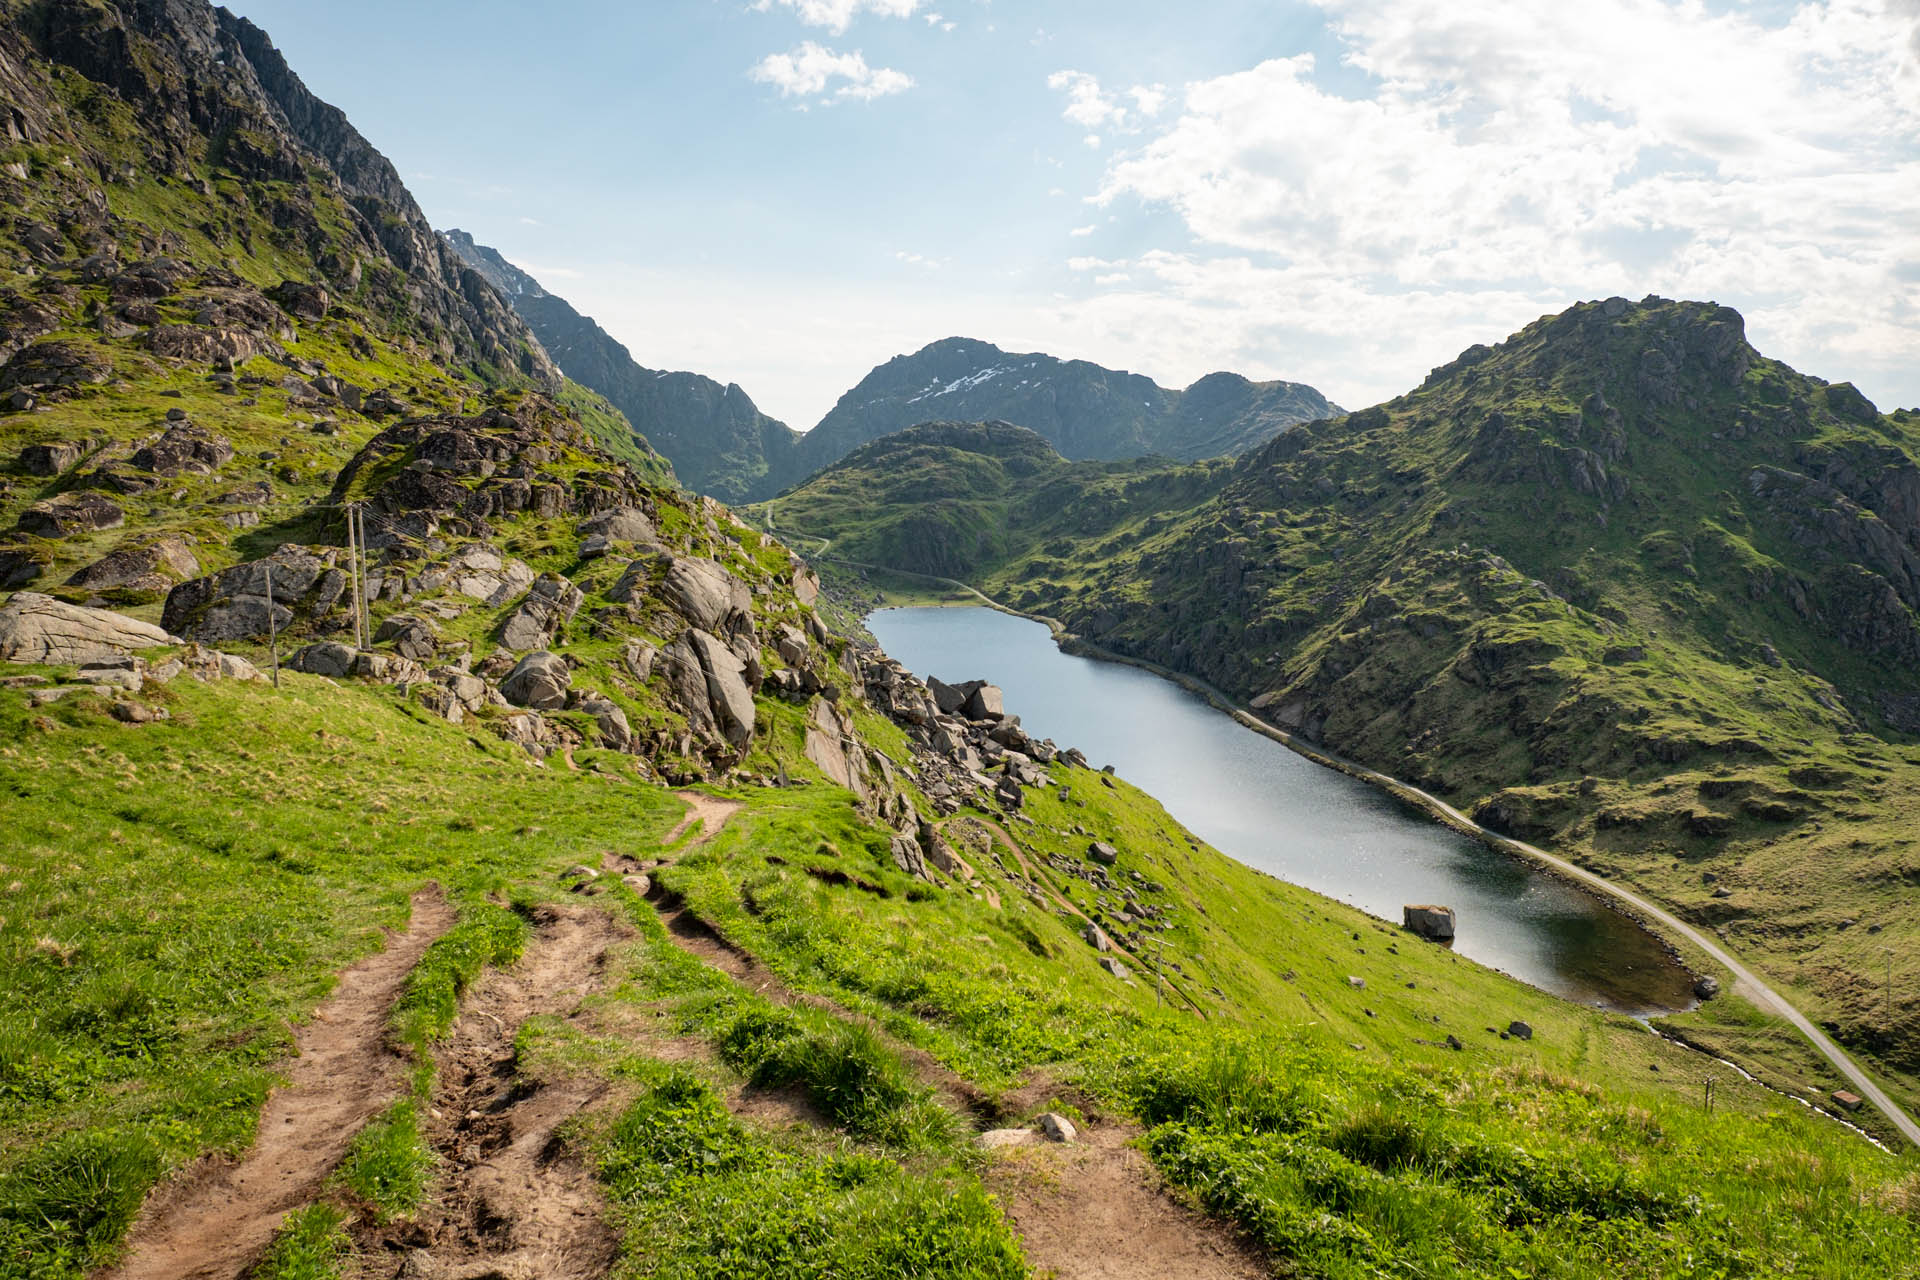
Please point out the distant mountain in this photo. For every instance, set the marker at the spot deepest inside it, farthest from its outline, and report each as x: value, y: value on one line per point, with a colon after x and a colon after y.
x: 1083, y: 410
x: 718, y: 441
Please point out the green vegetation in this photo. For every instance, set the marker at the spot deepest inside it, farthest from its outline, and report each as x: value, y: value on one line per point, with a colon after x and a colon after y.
x: 1620, y: 586
x: 388, y: 1167
x: 311, y: 1245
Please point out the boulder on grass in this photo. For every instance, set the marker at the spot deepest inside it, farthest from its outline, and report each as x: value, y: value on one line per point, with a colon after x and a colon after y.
x: 36, y: 628
x: 539, y: 682
x: 1430, y: 922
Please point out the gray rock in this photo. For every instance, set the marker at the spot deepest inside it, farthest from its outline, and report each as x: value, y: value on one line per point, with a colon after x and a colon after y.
x: 1115, y: 968
x: 549, y: 606
x: 995, y: 1138
x: 1057, y: 1127
x: 70, y: 513
x: 1706, y: 987
x: 1097, y: 938
x: 36, y: 628
x: 440, y: 700
x: 51, y: 459
x: 1431, y: 922
x: 637, y: 657
x: 481, y: 573
x: 1519, y: 1030
x: 616, y: 734
x: 411, y: 637
x: 539, y: 681
x: 707, y: 596
x: 232, y: 604
x: 986, y: 703
x: 184, y: 448
x: 328, y: 658
x: 619, y: 524
x: 154, y: 567
x: 1103, y: 853
x: 828, y: 730
x: 470, y: 689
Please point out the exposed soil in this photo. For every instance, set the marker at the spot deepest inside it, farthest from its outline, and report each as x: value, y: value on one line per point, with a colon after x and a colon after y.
x: 213, y: 1221
x: 710, y: 812
x: 512, y: 1202
x: 1097, y: 1210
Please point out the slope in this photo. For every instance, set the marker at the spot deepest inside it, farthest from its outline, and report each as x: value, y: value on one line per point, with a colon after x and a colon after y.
x: 719, y: 443
x: 1620, y: 586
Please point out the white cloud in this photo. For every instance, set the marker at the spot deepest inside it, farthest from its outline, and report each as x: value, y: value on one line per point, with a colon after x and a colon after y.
x: 1093, y: 108
x: 1085, y: 231
x: 546, y: 274
x: 1510, y: 159
x: 837, y: 15
x: 811, y: 70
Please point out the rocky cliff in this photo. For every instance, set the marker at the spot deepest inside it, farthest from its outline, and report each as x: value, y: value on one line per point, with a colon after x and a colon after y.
x: 718, y: 441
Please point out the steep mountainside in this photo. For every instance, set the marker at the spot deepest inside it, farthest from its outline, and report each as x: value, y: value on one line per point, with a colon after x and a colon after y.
x: 326, y: 954
x: 718, y: 442
x: 1620, y: 584
x: 1083, y: 410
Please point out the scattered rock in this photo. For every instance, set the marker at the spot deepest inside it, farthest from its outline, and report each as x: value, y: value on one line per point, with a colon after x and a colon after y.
x: 184, y: 448
x: 1115, y: 968
x: 1706, y: 986
x: 1103, y: 853
x: 548, y: 607
x: 328, y: 658
x: 1519, y: 1030
x: 994, y: 1138
x: 1847, y: 1100
x: 154, y: 567
x: 71, y: 513
x: 1358, y: 984
x: 1057, y: 1127
x: 411, y: 637
x: 51, y: 459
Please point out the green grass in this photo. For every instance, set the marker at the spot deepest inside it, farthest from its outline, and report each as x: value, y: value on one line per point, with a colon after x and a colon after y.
x: 389, y: 1166
x: 699, y: 1194
x: 312, y: 1244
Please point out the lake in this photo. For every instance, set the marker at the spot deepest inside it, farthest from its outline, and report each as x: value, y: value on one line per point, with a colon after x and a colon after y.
x: 1274, y: 810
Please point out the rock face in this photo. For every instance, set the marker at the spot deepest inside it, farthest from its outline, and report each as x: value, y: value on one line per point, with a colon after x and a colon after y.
x: 1430, y: 922
x: 707, y: 683
x: 706, y: 595
x: 39, y: 629
x: 539, y: 682
x: 828, y: 733
x: 718, y: 442
x: 307, y: 583
x: 184, y: 448
x: 549, y: 606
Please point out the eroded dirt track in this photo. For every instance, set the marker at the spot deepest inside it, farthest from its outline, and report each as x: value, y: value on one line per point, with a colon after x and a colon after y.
x: 512, y: 1203
x: 213, y: 1221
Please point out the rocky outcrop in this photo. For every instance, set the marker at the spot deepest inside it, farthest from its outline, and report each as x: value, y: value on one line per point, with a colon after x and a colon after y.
x: 157, y: 566
x: 1433, y: 923
x: 308, y: 584
x: 184, y: 447
x: 547, y: 608
x: 540, y: 682
x: 706, y: 682
x: 71, y: 513
x: 36, y: 628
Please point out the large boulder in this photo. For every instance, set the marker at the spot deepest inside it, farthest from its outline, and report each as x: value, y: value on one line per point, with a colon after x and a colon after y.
x: 71, y: 513
x: 52, y: 459
x: 480, y: 573
x: 411, y: 637
x: 985, y: 703
x: 619, y: 524
x: 1430, y: 922
x: 55, y: 365
x: 616, y: 734
x: 548, y: 607
x: 707, y: 683
x: 154, y: 567
x: 39, y: 629
x: 328, y: 658
x: 539, y: 681
x: 707, y: 596
x: 829, y: 733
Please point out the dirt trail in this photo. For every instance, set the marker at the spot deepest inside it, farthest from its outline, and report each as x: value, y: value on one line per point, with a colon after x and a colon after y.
x: 1097, y: 1210
x: 511, y: 1203
x: 215, y: 1220
x: 711, y: 812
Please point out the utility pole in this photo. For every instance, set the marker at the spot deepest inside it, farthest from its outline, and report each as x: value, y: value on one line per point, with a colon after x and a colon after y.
x: 353, y: 577
x: 273, y: 627
x: 360, y: 534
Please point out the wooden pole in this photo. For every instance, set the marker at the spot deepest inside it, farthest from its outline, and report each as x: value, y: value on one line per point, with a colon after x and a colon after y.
x: 273, y: 628
x: 353, y: 577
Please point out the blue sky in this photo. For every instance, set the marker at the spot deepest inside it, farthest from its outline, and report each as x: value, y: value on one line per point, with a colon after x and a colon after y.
x: 784, y: 193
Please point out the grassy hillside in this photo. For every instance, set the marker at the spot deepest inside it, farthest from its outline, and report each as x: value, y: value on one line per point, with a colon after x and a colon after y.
x: 1620, y: 585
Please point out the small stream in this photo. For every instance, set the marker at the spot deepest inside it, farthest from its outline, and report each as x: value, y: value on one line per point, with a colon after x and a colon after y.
x: 1276, y: 811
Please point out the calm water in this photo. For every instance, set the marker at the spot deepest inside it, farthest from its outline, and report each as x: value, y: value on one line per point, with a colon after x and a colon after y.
x: 1250, y: 797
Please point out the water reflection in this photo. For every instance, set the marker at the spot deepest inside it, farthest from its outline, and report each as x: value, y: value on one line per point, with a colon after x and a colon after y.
x: 1252, y: 798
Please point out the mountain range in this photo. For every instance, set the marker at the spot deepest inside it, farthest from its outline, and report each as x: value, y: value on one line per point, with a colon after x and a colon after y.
x: 721, y: 444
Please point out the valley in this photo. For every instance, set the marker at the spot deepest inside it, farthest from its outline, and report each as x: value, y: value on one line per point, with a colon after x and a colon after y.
x: 448, y: 840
